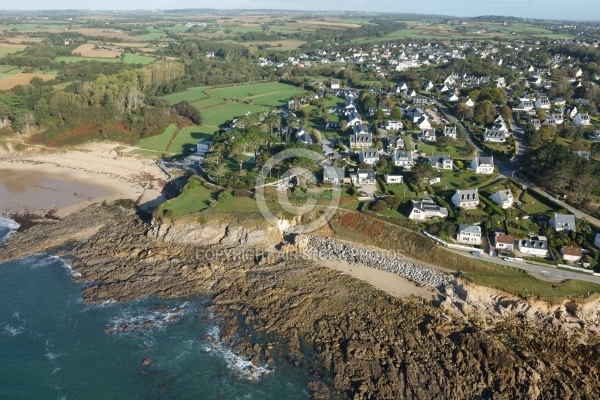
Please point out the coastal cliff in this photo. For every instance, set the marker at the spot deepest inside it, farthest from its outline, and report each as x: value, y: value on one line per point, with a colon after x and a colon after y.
x: 358, y: 342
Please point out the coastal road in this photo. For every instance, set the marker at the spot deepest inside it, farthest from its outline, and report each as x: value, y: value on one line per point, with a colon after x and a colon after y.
x: 548, y: 273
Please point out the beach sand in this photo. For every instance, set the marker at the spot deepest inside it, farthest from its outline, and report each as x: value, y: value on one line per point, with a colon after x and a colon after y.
x: 68, y: 181
x: 390, y: 283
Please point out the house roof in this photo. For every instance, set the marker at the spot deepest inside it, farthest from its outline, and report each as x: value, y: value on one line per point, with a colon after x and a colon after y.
x: 533, y: 244
x: 468, y: 194
x: 505, y: 194
x: 505, y: 239
x: 368, y: 172
x: 330, y: 172
x: 572, y: 251
x: 370, y: 153
x: 563, y: 220
x: 485, y: 160
x: 464, y: 228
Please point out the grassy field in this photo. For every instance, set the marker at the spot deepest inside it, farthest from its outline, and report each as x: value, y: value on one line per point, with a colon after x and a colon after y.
x: 5, y: 50
x: 191, y: 95
x: 251, y: 90
x: 153, y: 34
x: 193, y: 198
x: 208, y: 102
x: 74, y: 59
x: 216, y: 116
x: 277, y: 99
x: 131, y: 58
x: 522, y: 284
x: 159, y: 142
x: 187, y: 138
x: 536, y: 205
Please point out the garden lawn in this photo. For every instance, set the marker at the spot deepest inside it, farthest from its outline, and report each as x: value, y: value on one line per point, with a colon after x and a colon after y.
x: 191, y: 95
x: 187, y: 138
x: 533, y: 205
x: 159, y: 142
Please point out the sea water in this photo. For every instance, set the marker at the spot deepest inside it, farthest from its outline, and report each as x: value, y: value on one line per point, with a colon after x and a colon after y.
x: 55, y: 346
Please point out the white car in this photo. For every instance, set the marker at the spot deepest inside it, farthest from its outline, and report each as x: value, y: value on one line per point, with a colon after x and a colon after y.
x: 508, y: 259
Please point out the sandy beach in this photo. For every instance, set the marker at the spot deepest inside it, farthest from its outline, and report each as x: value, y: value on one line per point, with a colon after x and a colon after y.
x: 67, y: 181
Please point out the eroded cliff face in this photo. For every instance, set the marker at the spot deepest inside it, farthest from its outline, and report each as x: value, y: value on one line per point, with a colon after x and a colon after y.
x: 364, y: 344
x: 222, y: 231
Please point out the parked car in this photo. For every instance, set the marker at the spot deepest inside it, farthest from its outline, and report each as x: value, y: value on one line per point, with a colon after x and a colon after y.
x: 509, y: 259
x: 476, y: 253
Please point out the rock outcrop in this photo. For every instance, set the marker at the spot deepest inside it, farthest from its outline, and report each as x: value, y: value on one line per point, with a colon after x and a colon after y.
x: 357, y: 342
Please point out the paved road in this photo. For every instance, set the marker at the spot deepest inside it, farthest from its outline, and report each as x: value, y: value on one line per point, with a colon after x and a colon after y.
x: 548, y: 273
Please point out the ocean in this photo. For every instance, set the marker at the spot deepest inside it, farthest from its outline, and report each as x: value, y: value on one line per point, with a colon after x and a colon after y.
x: 55, y: 346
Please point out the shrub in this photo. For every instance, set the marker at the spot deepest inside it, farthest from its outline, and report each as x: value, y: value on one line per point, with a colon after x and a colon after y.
x: 379, y: 205
x: 242, y: 193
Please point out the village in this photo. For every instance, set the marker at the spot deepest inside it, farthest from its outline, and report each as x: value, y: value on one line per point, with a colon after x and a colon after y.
x: 445, y: 151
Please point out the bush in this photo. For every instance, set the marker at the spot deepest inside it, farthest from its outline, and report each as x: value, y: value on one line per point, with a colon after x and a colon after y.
x: 242, y: 193
x: 379, y: 205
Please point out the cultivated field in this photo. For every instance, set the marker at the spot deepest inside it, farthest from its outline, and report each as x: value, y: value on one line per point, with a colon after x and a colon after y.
x: 92, y: 50
x: 22, y: 79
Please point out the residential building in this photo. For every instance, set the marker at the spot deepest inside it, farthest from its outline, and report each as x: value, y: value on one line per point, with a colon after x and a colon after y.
x: 393, y: 179
x: 440, y: 161
x: 504, y: 242
x: 361, y: 138
x: 483, y: 165
x: 581, y: 119
x: 369, y: 156
x: 503, y: 198
x: 582, y: 153
x: 597, y: 240
x: 450, y: 131
x: 469, y: 234
x: 302, y: 135
x: 469, y: 102
x: 203, y: 147
x: 595, y: 136
x: 393, y: 125
x: 395, y: 142
x: 402, y: 158
x: 533, y: 246
x: 426, y: 208
x: 423, y: 123
x: 363, y: 177
x: 563, y: 222
x: 354, y: 118
x: 333, y: 174
x: 535, y: 122
x: 466, y: 199
x: 493, y: 135
x: 427, y: 135
x: 420, y: 101
x: 334, y: 85
x: 571, y: 253
x: 452, y: 97
x: 542, y: 103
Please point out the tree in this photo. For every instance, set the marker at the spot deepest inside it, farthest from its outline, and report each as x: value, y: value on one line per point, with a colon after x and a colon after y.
x: 396, y: 113
x: 421, y: 172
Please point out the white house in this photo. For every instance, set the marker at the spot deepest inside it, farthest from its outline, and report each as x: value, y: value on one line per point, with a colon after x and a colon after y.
x: 423, y: 123
x: 363, y: 177
x: 402, y: 158
x: 452, y: 97
x: 393, y: 179
x: 354, y: 118
x: 563, y: 222
x: 427, y: 135
x: 571, y: 253
x: 394, y: 125
x: 395, y: 142
x: 503, y: 198
x: 494, y: 135
x: 450, y: 131
x: 581, y: 119
x: 469, y: 234
x: 542, y: 103
x: 469, y: 102
x: 440, y: 162
x: 466, y: 199
x: 333, y: 174
x: 334, y: 85
x: 369, y: 156
x: 533, y: 246
x: 360, y: 137
x: 505, y: 242
x: 483, y: 165
x: 426, y: 208
x: 203, y: 147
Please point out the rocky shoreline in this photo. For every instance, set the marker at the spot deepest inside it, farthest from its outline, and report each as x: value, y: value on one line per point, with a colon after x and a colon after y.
x: 356, y: 341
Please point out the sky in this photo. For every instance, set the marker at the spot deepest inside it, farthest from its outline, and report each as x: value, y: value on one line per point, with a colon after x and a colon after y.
x: 539, y: 9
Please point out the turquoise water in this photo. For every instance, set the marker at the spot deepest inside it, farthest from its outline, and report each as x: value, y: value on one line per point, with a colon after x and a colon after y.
x: 54, y: 346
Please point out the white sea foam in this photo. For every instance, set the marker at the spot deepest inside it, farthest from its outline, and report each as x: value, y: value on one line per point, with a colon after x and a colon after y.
x: 66, y: 265
x: 136, y: 321
x: 51, y: 356
x: 243, y: 368
x: 12, y: 331
x: 7, y: 226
